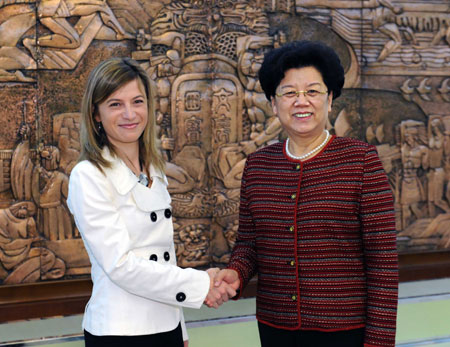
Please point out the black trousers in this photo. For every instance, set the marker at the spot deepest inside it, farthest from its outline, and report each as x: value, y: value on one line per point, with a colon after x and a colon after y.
x: 274, y: 337
x: 173, y: 338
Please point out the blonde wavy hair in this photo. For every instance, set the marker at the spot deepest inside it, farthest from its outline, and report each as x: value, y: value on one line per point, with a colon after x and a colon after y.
x: 105, y: 79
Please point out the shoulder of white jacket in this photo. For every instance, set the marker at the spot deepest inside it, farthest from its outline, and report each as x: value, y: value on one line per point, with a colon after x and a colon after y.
x: 84, y: 166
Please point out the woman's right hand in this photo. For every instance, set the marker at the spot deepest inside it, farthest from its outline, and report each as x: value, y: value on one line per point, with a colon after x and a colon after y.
x: 229, y: 276
x: 218, y: 294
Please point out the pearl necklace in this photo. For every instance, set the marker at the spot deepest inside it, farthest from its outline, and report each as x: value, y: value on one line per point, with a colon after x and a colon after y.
x: 301, y: 157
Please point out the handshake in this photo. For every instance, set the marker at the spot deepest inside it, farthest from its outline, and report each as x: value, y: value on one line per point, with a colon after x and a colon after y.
x: 223, y: 286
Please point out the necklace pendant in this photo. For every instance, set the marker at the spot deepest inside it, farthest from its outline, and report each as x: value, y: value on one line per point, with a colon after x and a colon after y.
x: 143, y: 179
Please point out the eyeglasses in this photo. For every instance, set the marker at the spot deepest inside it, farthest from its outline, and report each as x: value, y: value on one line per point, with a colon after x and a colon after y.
x: 308, y: 94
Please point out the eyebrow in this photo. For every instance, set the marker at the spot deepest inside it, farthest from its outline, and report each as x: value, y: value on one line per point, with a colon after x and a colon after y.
x: 309, y: 85
x: 136, y: 97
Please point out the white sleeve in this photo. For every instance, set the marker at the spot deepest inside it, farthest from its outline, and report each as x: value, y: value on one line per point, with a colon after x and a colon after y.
x: 106, y: 238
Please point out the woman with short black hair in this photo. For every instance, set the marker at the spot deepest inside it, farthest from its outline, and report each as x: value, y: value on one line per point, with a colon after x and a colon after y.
x: 316, y: 221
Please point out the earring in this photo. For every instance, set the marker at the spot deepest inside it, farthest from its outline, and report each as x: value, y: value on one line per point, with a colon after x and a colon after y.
x: 99, y: 127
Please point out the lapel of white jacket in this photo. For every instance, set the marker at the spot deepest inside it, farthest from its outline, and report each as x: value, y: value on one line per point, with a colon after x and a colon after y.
x: 124, y: 181
x: 122, y: 178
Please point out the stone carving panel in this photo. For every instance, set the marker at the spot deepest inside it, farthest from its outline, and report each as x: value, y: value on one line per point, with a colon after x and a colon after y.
x: 204, y: 57
x: 398, y: 36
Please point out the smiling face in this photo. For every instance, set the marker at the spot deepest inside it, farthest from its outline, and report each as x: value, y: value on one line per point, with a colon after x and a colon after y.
x: 302, y: 116
x: 124, y: 114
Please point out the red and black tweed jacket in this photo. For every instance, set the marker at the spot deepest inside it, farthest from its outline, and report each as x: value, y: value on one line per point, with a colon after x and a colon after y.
x: 320, y: 235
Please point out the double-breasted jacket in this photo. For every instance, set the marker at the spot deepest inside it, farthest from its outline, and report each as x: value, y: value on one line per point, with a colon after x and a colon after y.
x: 128, y: 234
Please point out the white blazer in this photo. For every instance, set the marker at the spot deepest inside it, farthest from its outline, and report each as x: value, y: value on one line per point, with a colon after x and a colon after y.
x: 128, y: 233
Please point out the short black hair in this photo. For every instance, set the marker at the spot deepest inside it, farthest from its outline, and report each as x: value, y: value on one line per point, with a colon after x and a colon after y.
x: 298, y: 54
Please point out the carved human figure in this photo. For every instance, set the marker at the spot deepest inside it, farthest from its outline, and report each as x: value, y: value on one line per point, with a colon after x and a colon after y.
x: 50, y: 191
x: 383, y: 20
x: 54, y: 15
x: 16, y: 19
x: 22, y: 165
x: 44, y: 184
x: 163, y: 69
x: 58, y: 16
x: 17, y: 232
x: 436, y: 174
x: 264, y: 125
x: 414, y: 156
x: 68, y: 133
x: 19, y: 261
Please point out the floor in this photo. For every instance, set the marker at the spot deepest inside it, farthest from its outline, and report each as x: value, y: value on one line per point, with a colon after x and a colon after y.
x: 423, y: 320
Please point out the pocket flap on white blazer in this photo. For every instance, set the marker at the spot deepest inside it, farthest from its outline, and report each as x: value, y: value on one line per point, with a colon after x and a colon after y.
x: 153, y: 199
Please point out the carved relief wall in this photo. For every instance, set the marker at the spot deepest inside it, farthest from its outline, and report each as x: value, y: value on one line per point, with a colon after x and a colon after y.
x: 203, y: 56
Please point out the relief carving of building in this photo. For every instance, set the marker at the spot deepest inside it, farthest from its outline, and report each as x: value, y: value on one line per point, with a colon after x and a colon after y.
x: 203, y: 57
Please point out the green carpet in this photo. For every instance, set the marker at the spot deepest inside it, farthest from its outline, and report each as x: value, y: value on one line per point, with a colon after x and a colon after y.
x: 225, y: 335
x: 422, y: 320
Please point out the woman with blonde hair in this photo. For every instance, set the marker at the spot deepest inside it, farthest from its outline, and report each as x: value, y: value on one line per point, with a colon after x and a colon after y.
x: 118, y: 196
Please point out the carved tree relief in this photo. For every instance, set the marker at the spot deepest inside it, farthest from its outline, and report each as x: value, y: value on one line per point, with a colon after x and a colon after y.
x: 203, y: 57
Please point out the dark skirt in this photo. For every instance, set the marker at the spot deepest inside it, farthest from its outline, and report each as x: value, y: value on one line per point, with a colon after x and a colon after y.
x: 170, y: 338
x: 274, y: 337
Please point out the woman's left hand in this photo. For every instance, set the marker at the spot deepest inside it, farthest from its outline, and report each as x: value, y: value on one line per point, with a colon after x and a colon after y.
x: 186, y: 343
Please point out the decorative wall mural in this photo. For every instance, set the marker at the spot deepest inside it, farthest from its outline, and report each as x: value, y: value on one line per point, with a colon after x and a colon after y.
x: 203, y: 57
